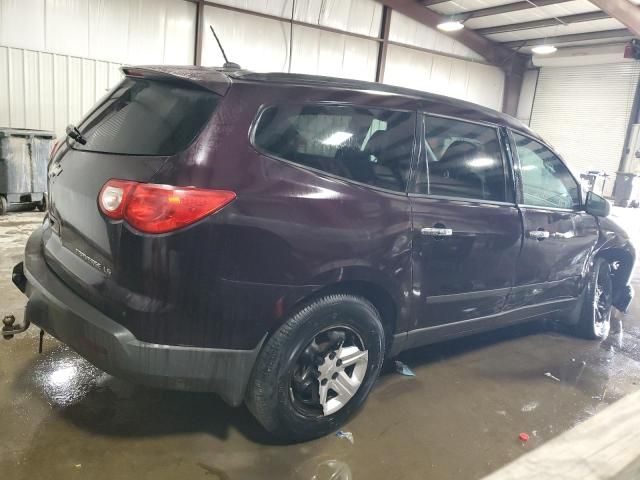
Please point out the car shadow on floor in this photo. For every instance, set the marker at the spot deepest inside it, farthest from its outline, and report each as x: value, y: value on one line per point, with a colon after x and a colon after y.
x: 104, y: 405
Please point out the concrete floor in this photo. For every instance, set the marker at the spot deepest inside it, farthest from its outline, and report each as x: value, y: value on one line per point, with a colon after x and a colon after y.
x: 460, y: 417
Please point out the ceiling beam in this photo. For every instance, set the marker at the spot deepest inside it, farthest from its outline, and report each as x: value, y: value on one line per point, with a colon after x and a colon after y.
x: 575, y: 37
x: 622, y: 10
x: 509, y: 7
x: 546, y: 22
x: 494, y: 52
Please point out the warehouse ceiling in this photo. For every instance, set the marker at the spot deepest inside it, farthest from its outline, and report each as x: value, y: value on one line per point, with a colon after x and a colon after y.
x: 521, y: 25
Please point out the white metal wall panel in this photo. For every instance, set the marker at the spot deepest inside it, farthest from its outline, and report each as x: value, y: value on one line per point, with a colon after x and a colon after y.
x: 109, y: 27
x: 29, y: 31
x: 475, y: 82
x: 410, y: 32
x: 66, y: 27
x: 278, y: 8
x: 583, y: 111
x: 255, y: 43
x: 356, y: 16
x: 31, y: 102
x: 262, y: 44
x: 47, y: 91
x: 146, y: 32
x: 123, y: 31
x: 326, y: 53
x: 180, y: 33
x: 5, y: 92
x: 16, y: 88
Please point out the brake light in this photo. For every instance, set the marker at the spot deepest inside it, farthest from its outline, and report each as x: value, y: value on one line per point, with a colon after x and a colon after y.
x: 152, y: 208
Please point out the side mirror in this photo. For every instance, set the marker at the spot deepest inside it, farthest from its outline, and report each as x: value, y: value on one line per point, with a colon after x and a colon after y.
x: 596, y: 205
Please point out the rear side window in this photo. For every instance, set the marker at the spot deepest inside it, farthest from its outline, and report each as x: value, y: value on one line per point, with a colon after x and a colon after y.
x: 370, y: 146
x: 464, y: 160
x: 147, y: 117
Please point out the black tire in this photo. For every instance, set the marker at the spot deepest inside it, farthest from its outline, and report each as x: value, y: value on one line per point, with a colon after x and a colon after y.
x: 4, y: 206
x: 270, y: 394
x: 42, y: 205
x: 595, y: 317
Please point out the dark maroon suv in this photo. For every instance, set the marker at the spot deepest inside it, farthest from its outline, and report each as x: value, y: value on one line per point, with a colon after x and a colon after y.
x: 273, y: 238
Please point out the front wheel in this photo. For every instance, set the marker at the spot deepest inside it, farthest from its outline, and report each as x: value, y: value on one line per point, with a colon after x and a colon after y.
x: 318, y: 368
x: 595, y: 317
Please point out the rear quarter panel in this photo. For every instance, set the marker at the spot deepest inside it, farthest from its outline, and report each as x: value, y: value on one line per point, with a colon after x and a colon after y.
x: 289, y: 232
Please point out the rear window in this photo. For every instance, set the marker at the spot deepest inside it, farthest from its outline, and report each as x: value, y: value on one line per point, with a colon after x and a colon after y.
x: 367, y: 145
x: 148, y: 117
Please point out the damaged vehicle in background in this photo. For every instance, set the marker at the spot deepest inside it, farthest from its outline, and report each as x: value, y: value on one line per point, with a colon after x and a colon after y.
x: 274, y: 237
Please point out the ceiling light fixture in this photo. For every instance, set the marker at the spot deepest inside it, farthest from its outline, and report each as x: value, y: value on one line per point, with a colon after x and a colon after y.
x: 544, y: 49
x: 450, y: 25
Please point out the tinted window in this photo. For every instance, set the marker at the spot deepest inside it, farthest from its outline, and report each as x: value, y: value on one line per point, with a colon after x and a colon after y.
x: 464, y: 160
x: 546, y: 181
x: 366, y: 145
x: 142, y: 117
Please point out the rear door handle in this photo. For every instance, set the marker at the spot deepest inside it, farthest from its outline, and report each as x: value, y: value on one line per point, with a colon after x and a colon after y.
x: 436, y: 232
x: 538, y: 234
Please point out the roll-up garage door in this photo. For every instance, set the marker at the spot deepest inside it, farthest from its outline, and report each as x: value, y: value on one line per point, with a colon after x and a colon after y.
x: 583, y: 112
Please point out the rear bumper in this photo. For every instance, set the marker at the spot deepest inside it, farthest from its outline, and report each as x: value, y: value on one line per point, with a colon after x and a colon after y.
x: 56, y: 309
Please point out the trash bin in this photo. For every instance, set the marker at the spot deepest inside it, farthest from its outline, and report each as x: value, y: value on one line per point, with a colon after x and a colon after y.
x: 23, y: 167
x: 626, y: 190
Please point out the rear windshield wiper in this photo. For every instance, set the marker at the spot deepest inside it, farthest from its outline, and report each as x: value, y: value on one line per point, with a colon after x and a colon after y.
x: 74, y: 133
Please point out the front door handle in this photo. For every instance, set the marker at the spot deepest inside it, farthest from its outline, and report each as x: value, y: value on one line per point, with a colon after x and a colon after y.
x: 538, y: 234
x: 436, y: 232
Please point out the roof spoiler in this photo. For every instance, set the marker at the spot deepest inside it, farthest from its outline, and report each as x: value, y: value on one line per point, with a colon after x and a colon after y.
x: 212, y: 79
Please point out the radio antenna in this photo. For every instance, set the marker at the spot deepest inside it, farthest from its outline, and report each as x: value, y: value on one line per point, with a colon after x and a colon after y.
x: 227, y: 63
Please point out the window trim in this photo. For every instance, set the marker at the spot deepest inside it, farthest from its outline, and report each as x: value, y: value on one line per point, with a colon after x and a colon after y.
x: 517, y: 173
x: 412, y: 166
x: 507, y: 166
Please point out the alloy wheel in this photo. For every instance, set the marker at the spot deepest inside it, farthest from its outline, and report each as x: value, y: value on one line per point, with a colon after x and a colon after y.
x: 329, y: 372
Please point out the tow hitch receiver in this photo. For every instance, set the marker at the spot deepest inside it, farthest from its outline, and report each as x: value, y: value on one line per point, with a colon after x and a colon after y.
x: 9, y: 329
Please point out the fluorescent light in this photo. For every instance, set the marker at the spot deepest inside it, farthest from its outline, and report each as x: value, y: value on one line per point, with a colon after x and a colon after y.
x: 337, y: 138
x: 450, y: 26
x: 544, y: 49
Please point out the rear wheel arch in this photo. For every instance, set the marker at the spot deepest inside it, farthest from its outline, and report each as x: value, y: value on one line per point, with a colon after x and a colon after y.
x: 375, y: 294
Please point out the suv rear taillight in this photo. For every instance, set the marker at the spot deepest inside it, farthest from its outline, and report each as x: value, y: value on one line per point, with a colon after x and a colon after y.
x: 152, y: 208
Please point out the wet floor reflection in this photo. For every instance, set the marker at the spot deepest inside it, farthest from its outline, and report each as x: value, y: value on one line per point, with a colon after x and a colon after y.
x: 459, y: 417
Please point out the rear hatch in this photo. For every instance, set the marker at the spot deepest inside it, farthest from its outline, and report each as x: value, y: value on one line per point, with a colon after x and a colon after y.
x: 151, y: 118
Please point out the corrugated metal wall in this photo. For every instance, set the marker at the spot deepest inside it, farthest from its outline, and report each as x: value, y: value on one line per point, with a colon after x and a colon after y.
x: 476, y: 82
x: 47, y: 91
x: 123, y: 31
x: 356, y: 16
x: 410, y: 32
x: 262, y: 44
x: 592, y: 105
x: 58, y: 56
